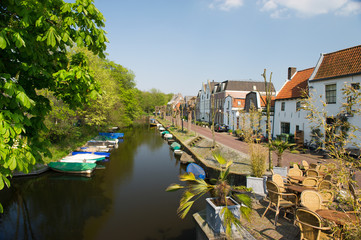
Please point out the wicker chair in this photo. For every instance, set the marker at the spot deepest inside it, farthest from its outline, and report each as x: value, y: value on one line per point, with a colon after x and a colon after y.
x: 279, y: 180
x: 313, y: 165
x: 312, y: 200
x: 305, y: 165
x: 327, y: 196
x: 312, y: 173
x: 322, y: 168
x: 310, y: 182
x: 295, y: 165
x: 324, y: 185
x: 294, y: 172
x: 279, y: 200
x: 328, y: 177
x: 310, y: 224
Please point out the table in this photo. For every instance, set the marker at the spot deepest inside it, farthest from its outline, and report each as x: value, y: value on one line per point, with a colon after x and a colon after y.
x: 338, y: 217
x: 298, y: 188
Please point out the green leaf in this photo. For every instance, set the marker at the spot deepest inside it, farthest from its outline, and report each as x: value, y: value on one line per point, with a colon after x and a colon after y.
x: 12, y: 162
x: 1, y: 183
x: 184, y: 209
x: 2, y: 42
x: 173, y: 187
x: 19, y: 42
x: 1, y: 208
x: 23, y: 99
x: 6, y: 181
x: 187, y: 177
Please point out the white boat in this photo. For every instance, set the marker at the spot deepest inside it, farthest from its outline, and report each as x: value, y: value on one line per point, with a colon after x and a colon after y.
x: 168, y: 136
x: 178, y: 152
x: 78, y: 160
x: 161, y: 129
x: 83, y: 158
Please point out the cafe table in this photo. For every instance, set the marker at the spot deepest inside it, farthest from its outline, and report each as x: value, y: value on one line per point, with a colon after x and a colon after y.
x: 298, y: 188
x: 338, y: 217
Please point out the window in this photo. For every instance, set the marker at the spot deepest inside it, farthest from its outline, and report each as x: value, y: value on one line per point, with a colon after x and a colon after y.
x: 239, y: 103
x: 297, y: 128
x: 298, y: 106
x: 283, y: 104
x: 285, y: 127
x: 355, y: 86
x: 330, y: 93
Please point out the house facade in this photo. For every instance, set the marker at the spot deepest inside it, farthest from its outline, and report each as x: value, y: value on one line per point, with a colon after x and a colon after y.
x: 289, y: 117
x: 332, y: 73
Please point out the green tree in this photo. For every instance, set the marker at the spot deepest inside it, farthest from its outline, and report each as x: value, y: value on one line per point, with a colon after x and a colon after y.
x: 35, y: 37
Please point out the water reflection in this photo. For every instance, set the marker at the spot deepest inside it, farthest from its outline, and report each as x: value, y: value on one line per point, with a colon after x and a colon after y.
x: 127, y: 200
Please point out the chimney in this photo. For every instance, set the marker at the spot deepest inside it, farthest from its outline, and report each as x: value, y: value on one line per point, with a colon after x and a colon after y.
x: 291, y: 71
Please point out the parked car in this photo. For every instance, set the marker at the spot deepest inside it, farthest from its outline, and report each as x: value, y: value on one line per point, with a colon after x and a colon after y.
x: 221, y: 128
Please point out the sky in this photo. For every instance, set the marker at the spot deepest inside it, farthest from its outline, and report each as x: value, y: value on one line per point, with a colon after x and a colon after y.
x: 177, y: 45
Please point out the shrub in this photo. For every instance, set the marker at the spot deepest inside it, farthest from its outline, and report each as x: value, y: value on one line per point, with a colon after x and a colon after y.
x: 258, y: 160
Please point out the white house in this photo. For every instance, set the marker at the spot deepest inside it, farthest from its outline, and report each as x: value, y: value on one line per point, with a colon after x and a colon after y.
x: 231, y: 109
x: 332, y: 72
x: 289, y: 116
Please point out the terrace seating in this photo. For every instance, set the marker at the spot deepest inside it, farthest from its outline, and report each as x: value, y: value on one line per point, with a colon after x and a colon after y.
x: 310, y: 182
x: 312, y: 173
x: 305, y: 165
x: 324, y: 185
x: 279, y: 200
x: 312, y: 200
x: 311, y: 225
x: 313, y: 165
x: 279, y: 180
x: 294, y: 172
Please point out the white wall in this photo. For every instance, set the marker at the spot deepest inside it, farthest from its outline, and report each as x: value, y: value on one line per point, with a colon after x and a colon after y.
x: 291, y: 116
x: 317, y: 88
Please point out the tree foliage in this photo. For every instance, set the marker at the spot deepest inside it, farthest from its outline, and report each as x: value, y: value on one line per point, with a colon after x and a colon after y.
x: 152, y: 98
x: 35, y: 37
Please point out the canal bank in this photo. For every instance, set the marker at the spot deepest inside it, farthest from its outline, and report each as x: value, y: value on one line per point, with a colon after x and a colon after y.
x: 200, y: 148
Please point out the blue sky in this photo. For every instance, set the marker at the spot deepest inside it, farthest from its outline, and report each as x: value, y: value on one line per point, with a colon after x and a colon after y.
x: 176, y: 45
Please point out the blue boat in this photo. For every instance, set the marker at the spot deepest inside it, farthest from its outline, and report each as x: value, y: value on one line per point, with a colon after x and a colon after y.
x: 197, y: 170
x: 112, y: 135
x: 105, y: 154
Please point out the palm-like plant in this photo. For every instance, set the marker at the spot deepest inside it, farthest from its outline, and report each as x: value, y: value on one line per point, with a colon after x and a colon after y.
x: 279, y: 147
x: 220, y: 188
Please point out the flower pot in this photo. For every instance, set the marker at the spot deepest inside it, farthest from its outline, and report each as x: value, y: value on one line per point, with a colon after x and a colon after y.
x: 257, y: 184
x: 214, y: 218
x: 281, y: 171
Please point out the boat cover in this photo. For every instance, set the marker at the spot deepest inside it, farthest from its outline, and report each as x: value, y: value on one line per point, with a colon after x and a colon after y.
x: 105, y: 154
x: 112, y: 135
x: 175, y: 146
x: 196, y: 170
x: 72, y: 166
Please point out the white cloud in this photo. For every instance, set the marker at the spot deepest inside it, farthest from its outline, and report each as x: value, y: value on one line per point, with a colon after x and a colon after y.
x: 350, y: 8
x: 304, y: 8
x: 226, y: 5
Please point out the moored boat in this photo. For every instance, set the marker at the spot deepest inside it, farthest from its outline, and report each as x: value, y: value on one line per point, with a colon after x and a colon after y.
x: 83, y: 157
x: 76, y: 168
x: 197, y: 170
x: 178, y: 152
x: 175, y: 146
x: 168, y: 136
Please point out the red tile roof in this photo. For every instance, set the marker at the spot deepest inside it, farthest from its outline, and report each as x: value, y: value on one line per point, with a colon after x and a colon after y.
x: 296, y: 87
x: 263, y: 101
x: 341, y: 63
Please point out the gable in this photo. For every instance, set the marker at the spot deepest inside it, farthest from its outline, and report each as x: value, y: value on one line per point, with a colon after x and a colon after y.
x: 338, y: 64
x: 297, y: 86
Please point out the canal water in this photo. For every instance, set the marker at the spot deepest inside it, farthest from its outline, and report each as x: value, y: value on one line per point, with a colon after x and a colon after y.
x: 126, y: 200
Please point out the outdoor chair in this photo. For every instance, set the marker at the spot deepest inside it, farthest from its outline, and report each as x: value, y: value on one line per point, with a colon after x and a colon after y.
x: 279, y: 180
x: 322, y: 168
x: 295, y: 165
x: 305, y: 165
x: 279, y: 200
x: 294, y: 172
x: 313, y: 165
x: 326, y: 195
x: 328, y: 177
x: 324, y: 185
x: 311, y: 225
x: 312, y: 200
x: 354, y: 193
x: 310, y: 182
x: 312, y: 173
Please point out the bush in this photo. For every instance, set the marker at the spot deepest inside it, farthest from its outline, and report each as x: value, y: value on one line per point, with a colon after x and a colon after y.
x: 258, y: 160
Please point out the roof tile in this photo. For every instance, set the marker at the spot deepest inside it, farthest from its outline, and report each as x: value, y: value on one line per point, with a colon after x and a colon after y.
x: 296, y: 87
x: 341, y: 63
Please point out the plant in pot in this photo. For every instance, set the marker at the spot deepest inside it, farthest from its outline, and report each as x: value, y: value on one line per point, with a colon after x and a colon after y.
x: 258, y: 166
x: 279, y: 147
x: 223, y: 212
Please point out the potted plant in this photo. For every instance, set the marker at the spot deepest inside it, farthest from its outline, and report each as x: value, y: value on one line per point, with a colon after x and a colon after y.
x: 279, y: 147
x: 258, y: 165
x: 222, y: 211
x: 230, y: 131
